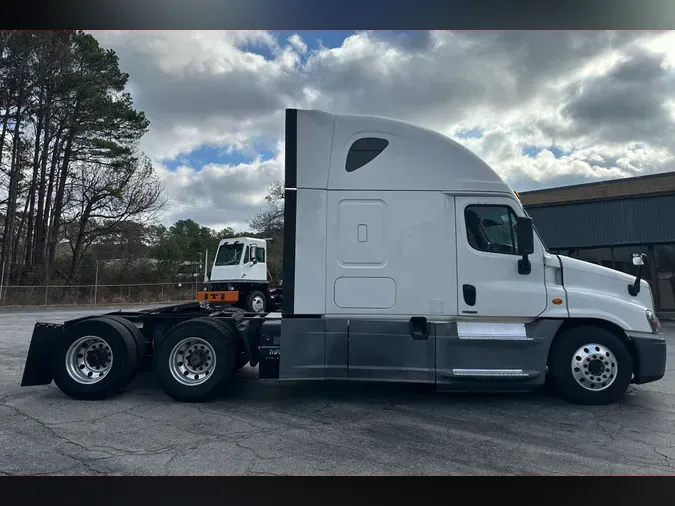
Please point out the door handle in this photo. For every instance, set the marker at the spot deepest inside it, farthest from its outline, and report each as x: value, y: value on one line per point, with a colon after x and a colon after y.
x: 419, y: 327
x: 469, y: 292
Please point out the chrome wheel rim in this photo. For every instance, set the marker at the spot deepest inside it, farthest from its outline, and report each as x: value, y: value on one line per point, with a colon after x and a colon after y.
x: 192, y: 361
x: 88, y: 360
x: 258, y: 304
x: 594, y: 367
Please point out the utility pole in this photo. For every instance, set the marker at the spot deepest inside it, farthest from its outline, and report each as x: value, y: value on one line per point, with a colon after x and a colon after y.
x: 198, y: 269
x: 96, y: 284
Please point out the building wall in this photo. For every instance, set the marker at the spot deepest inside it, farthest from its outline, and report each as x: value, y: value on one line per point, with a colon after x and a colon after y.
x: 609, y: 231
x: 606, y: 222
x: 654, y: 184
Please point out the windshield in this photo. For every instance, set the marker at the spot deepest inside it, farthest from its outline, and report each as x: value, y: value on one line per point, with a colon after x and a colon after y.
x: 229, y: 254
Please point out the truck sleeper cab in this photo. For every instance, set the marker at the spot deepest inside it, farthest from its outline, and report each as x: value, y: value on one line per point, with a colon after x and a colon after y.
x: 406, y: 258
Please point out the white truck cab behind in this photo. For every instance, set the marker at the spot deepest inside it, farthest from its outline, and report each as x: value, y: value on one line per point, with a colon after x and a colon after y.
x: 239, y: 275
x: 234, y: 262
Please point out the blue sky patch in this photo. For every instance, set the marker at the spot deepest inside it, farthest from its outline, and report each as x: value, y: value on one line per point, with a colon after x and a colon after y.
x: 533, y: 151
x: 207, y: 154
x: 256, y: 47
x: 316, y: 39
x: 472, y: 133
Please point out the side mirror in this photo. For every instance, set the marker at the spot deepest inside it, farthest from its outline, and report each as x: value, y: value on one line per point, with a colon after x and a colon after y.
x: 252, y: 251
x: 639, y: 259
x: 525, y: 233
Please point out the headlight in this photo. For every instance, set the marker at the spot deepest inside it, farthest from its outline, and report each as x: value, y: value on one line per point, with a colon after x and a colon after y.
x: 653, y: 320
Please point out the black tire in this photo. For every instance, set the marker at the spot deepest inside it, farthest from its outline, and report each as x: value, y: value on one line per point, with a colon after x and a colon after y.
x: 124, y: 358
x: 223, y: 340
x: 560, y: 366
x: 139, y: 340
x: 241, y: 358
x: 249, y: 301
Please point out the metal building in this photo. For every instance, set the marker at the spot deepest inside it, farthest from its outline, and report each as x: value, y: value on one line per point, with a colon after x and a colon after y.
x: 607, y: 222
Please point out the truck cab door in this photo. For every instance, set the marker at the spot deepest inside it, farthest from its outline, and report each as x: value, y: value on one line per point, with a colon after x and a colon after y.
x: 489, y: 282
x: 254, y: 271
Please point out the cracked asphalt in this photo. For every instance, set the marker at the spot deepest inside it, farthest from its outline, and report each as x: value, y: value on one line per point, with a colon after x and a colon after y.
x: 262, y: 427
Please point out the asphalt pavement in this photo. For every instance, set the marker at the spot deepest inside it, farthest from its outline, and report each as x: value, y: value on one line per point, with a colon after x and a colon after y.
x: 264, y: 427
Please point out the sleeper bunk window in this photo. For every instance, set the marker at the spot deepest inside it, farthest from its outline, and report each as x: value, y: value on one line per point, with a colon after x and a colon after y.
x: 364, y: 151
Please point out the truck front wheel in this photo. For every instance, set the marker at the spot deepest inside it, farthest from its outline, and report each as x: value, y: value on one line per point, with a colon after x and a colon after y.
x: 195, y: 359
x: 256, y: 302
x: 590, y: 365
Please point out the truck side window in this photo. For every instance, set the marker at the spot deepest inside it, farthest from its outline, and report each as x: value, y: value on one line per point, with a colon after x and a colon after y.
x: 260, y: 255
x: 364, y: 151
x: 491, y: 228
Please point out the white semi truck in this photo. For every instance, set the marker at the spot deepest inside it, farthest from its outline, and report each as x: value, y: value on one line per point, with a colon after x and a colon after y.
x: 239, y: 275
x: 406, y: 258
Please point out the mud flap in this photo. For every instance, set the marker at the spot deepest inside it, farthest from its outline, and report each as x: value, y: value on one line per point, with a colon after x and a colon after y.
x: 37, y: 370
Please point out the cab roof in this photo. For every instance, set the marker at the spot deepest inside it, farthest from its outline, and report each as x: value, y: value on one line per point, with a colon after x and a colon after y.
x: 358, y: 152
x: 243, y: 240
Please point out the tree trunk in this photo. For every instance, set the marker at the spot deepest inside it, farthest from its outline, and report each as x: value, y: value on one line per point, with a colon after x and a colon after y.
x: 28, y: 261
x: 58, y: 201
x: 19, y: 243
x: 43, y: 223
x: 14, y: 175
x: 4, y: 126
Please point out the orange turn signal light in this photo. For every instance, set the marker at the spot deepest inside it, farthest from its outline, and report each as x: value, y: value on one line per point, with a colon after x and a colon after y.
x: 557, y: 301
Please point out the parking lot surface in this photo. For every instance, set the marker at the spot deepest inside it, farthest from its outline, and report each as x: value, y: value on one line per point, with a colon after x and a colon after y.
x: 263, y: 427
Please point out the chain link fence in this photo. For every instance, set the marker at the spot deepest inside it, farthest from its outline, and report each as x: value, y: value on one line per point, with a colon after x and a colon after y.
x: 108, y: 282
x: 103, y: 294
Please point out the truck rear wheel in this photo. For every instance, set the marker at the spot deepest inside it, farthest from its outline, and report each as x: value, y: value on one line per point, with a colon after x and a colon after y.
x: 590, y: 365
x: 195, y: 359
x: 139, y: 340
x: 256, y: 302
x: 94, y: 359
x: 241, y: 358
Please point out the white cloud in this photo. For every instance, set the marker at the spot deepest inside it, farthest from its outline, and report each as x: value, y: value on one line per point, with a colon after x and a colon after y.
x: 606, y: 100
x: 297, y: 43
x: 219, y: 195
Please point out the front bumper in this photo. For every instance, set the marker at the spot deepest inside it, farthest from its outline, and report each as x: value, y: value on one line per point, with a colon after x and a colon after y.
x: 651, y: 355
x: 228, y: 296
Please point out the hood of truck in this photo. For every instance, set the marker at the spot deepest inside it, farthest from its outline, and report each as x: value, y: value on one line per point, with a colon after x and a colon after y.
x: 594, y: 291
x: 226, y: 273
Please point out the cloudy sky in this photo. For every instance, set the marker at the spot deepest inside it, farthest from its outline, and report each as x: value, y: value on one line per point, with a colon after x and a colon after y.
x: 542, y: 108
